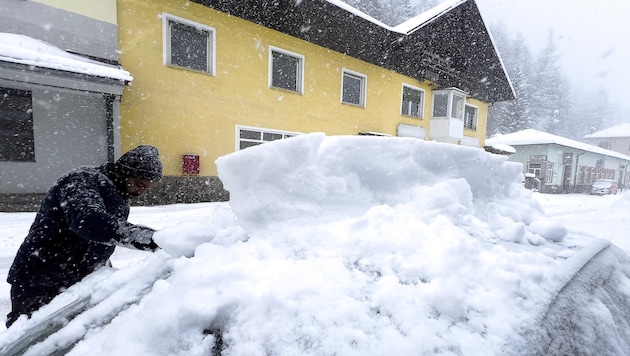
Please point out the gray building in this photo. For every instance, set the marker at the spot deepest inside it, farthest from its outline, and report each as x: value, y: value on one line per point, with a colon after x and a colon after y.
x: 60, y: 89
x: 562, y: 165
x: 616, y: 138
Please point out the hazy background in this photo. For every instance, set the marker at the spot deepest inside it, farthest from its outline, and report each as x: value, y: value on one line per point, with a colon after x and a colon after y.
x: 591, y: 37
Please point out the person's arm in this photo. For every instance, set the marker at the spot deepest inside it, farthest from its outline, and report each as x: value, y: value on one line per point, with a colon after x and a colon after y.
x: 84, y: 209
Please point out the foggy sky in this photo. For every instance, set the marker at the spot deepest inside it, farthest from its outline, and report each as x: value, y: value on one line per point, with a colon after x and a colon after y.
x: 590, y: 36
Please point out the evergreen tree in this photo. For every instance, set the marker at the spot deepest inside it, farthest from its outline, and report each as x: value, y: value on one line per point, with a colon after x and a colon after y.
x: 394, y: 12
x: 424, y: 5
x: 389, y: 12
x: 518, y: 113
x: 370, y: 7
x: 515, y: 115
x: 593, y: 112
x: 551, y: 97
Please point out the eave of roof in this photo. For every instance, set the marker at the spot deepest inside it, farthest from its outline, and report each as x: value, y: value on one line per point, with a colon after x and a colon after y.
x: 35, y: 55
x: 451, y: 41
x: 622, y: 130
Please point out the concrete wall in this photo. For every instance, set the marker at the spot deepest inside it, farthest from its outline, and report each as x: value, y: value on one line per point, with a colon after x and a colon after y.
x: 70, y: 114
x: 69, y: 130
x: 102, y: 10
x: 65, y: 24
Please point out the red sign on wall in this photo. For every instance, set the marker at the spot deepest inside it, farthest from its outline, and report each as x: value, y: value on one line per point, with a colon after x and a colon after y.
x: 190, y: 164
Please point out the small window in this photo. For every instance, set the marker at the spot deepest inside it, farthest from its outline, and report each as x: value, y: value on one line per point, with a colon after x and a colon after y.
x: 458, y: 106
x: 17, y: 143
x: 254, y: 136
x: 286, y: 70
x: 412, y: 101
x: 599, y: 163
x: 440, y: 105
x: 549, y: 174
x: 470, y: 117
x: 188, y: 44
x: 353, y: 88
x: 535, y: 169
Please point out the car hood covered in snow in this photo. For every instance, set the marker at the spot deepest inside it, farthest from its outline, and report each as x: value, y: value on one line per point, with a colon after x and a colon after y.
x: 353, y: 246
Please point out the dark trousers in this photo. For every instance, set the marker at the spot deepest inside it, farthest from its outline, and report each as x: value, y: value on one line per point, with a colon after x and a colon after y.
x: 26, y: 299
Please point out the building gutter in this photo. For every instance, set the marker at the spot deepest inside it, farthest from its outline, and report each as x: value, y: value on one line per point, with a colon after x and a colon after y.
x: 577, y: 161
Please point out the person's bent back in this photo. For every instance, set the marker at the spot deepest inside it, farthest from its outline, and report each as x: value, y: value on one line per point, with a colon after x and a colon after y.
x: 80, y: 221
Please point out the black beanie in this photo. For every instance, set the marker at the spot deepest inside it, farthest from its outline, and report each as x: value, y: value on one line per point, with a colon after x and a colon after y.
x: 142, y: 162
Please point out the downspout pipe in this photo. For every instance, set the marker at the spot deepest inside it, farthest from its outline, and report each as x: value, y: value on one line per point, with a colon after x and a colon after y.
x: 109, y: 117
x: 577, y: 161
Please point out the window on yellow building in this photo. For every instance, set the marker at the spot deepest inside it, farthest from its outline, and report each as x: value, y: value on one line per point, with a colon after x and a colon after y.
x: 286, y: 70
x: 353, y: 88
x: 188, y: 44
x: 412, y: 101
x: 16, y: 126
x: 253, y: 136
x: 448, y: 104
x: 470, y: 117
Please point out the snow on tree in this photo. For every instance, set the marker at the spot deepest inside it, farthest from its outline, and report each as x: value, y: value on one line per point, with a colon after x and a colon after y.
x: 394, y: 12
x: 514, y: 115
x: 390, y: 12
x: 420, y: 6
x: 551, y: 97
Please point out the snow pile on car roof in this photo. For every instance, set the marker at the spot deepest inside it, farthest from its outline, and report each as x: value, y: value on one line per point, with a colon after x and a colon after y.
x: 316, y: 179
x: 343, y: 245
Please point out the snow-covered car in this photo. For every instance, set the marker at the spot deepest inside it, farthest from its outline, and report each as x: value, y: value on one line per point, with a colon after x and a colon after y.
x: 604, y: 187
x: 352, y: 245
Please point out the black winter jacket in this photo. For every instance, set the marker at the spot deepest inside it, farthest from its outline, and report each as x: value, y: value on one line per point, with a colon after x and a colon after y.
x: 81, y: 219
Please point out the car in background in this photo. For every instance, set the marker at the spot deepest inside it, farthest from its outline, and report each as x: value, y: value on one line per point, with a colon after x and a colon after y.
x: 604, y: 187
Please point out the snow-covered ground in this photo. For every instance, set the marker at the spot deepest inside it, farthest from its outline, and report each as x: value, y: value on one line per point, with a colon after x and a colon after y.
x: 343, y: 245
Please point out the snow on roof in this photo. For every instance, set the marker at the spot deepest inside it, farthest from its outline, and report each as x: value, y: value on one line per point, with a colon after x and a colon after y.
x: 535, y: 137
x: 622, y: 130
x: 426, y: 17
x: 22, y: 49
x: 359, y: 13
x: 501, y: 147
x: 410, y: 25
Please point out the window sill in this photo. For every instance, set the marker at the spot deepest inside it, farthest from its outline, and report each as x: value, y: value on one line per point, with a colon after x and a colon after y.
x: 286, y: 90
x: 354, y: 105
x: 190, y: 70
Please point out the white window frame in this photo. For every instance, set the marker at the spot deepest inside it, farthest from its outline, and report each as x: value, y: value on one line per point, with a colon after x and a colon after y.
x: 166, y: 42
x: 549, y: 172
x: 420, y: 106
x: 475, y: 121
x: 363, y: 81
x: 299, y: 85
x: 261, y: 139
x: 453, y: 96
x: 536, y: 171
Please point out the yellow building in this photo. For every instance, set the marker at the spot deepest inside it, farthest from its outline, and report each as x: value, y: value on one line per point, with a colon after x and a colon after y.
x: 213, y: 77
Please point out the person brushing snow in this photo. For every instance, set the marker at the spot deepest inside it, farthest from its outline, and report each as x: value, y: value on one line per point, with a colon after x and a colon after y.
x: 80, y: 221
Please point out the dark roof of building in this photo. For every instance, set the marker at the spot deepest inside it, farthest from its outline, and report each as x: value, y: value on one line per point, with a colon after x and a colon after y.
x: 453, y: 49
